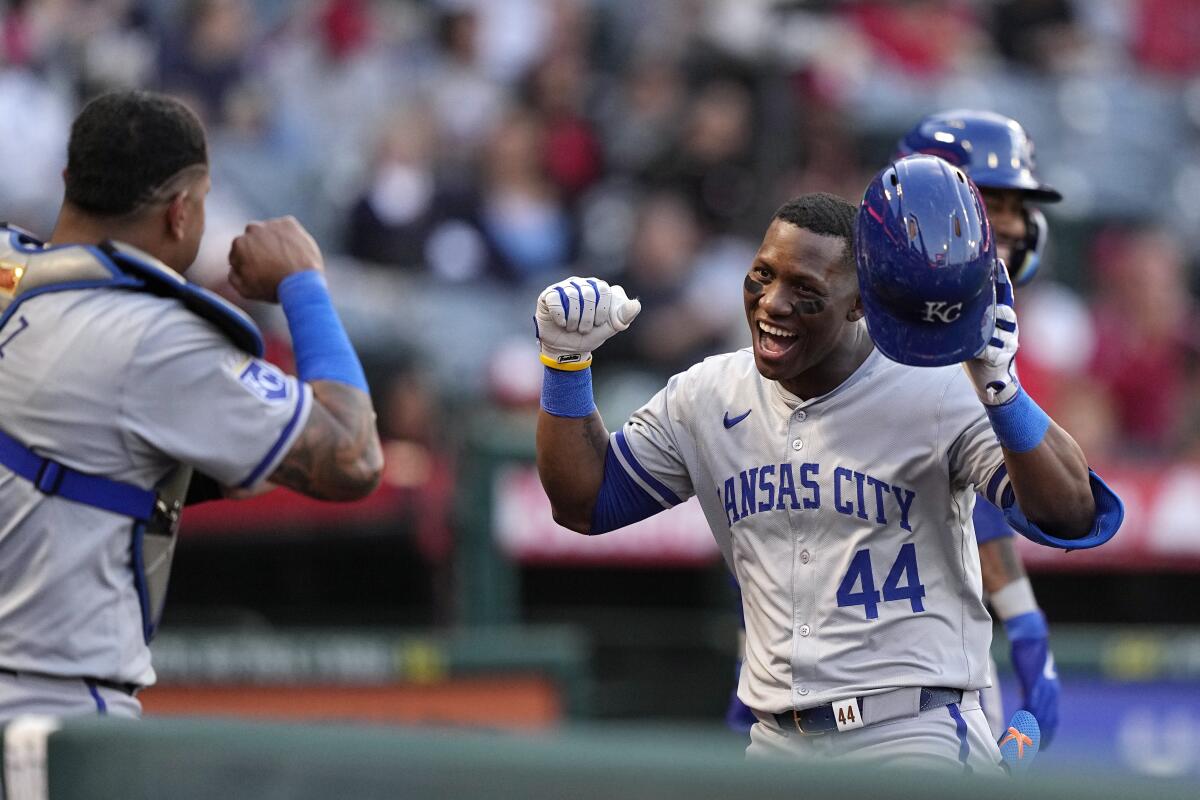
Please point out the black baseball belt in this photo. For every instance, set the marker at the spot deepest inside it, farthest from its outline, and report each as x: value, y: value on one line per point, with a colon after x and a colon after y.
x: 128, y: 688
x: 823, y: 719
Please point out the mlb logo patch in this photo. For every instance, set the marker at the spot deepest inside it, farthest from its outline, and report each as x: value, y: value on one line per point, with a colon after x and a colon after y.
x: 264, y: 381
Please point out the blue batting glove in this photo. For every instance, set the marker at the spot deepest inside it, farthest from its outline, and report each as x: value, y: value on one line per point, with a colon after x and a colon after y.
x: 1033, y: 662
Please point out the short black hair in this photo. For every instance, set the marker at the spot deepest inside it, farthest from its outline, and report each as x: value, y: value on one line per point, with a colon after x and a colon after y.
x: 124, y: 145
x: 823, y: 213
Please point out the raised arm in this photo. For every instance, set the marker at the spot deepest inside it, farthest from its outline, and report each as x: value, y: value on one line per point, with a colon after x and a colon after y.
x: 573, y: 318
x: 570, y: 462
x: 337, y: 456
x: 1049, y: 476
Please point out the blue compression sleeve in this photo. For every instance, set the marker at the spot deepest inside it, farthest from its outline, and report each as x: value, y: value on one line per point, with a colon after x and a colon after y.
x: 323, y: 350
x: 621, y: 501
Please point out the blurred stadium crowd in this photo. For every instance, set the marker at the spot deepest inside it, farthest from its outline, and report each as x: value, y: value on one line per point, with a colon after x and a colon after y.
x: 454, y: 157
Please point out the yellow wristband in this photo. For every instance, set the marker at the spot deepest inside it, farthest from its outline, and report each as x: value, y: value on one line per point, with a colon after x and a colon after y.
x: 566, y: 366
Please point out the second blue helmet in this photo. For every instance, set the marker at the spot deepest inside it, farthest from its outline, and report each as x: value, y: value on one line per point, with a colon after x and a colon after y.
x: 996, y: 153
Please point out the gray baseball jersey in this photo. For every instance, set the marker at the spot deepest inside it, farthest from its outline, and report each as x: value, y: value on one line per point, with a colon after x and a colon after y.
x: 124, y: 385
x: 846, y: 518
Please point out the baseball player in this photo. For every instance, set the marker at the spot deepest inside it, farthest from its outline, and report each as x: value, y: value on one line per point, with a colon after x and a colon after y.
x: 998, y: 155
x: 837, y: 482
x: 118, y: 377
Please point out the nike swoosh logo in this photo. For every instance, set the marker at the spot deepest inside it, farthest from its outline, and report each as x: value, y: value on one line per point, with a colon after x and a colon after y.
x: 729, y: 423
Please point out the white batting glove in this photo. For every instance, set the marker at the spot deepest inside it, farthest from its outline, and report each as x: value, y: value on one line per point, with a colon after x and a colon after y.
x: 994, y: 371
x: 576, y: 316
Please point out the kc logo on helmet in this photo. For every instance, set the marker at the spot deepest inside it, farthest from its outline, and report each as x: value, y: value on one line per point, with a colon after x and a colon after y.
x: 941, y: 311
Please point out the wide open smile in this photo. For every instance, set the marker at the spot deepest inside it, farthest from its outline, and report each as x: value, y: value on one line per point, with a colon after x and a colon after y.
x: 773, y: 342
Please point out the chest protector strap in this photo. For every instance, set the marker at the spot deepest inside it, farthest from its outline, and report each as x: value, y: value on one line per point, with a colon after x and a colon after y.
x: 28, y: 269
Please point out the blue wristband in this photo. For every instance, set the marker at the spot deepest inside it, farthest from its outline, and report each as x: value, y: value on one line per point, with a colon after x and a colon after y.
x: 567, y: 394
x: 323, y: 350
x: 1020, y: 424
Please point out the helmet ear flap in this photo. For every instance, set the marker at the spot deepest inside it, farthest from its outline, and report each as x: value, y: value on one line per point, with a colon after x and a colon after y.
x: 1027, y: 254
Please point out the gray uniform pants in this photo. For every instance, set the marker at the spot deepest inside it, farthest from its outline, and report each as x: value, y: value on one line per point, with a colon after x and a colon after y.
x: 954, y: 737
x: 61, y: 697
x: 993, y: 703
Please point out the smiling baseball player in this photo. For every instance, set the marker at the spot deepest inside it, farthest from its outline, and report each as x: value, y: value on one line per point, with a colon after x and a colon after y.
x: 837, y: 482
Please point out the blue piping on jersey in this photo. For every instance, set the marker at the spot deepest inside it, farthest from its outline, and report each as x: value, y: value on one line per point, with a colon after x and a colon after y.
x: 994, y: 484
x: 654, y: 483
x: 257, y: 472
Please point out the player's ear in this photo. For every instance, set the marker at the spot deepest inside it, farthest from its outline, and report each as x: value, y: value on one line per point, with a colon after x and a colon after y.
x: 177, y: 215
x: 856, y: 310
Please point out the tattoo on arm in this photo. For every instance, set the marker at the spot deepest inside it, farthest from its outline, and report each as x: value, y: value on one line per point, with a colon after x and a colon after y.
x: 595, y: 434
x: 1000, y: 564
x: 337, y: 456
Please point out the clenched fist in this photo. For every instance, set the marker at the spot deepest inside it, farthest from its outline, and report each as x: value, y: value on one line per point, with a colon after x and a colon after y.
x: 576, y: 316
x: 267, y: 253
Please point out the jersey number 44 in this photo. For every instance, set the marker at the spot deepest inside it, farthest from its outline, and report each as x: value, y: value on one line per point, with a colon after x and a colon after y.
x: 860, y: 574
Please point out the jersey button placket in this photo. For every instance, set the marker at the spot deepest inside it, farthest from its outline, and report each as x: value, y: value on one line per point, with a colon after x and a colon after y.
x: 804, y: 646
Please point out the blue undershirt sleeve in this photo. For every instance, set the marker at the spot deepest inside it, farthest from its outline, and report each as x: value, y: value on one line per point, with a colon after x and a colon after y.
x: 621, y: 500
x: 1110, y: 511
x: 989, y: 521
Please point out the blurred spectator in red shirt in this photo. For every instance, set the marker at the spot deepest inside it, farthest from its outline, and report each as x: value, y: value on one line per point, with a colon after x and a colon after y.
x: 1148, y: 336
x: 1166, y: 36
x: 418, y: 466
x: 559, y: 88
x: 925, y: 38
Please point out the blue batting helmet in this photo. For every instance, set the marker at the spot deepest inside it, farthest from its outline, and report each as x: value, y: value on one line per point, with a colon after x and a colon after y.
x: 996, y: 153
x: 992, y: 149
x: 926, y: 263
